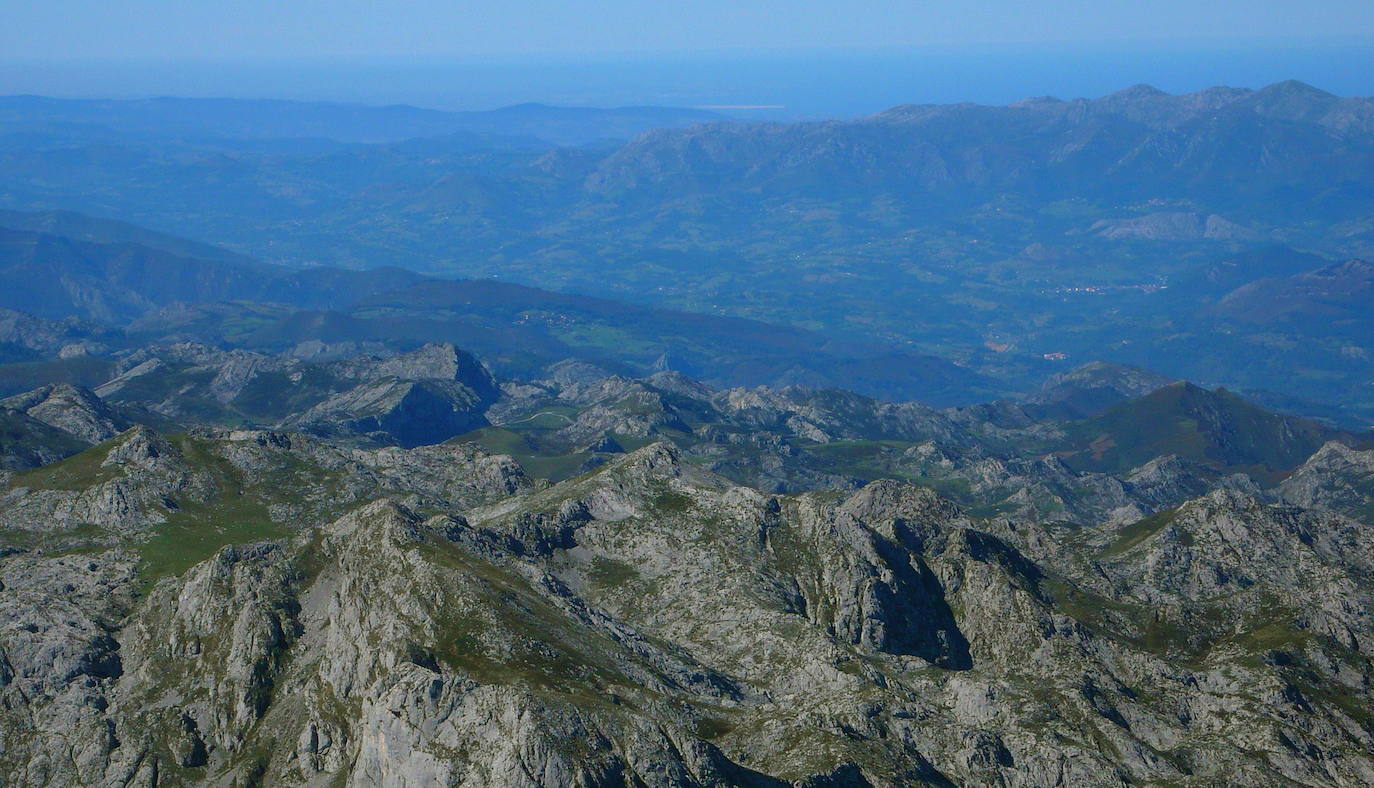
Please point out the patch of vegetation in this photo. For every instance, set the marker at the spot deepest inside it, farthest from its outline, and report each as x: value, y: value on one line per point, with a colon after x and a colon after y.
x: 541, y: 462
x: 497, y: 440
x: 77, y: 472
x: 1278, y: 633
x: 506, y: 633
x: 198, y: 531
x: 81, y: 540
x: 609, y: 339
x: 671, y: 502
x: 556, y: 468
x: 272, y: 396
x: 1215, y: 428
x: 237, y: 514
x: 1138, y: 532
x: 636, y: 442
x: 1140, y: 626
x: 608, y: 572
x: 714, y: 727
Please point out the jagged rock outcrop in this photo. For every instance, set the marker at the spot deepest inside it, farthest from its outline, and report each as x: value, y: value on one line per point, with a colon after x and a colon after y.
x: 425, y: 396
x: 59, y: 660
x: 275, y: 607
x: 126, y: 485
x: 1337, y: 477
x: 409, y: 412
x: 72, y: 409
x: 26, y: 442
x: 440, y: 361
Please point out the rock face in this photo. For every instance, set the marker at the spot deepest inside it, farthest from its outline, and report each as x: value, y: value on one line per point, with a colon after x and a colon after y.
x: 53, y: 422
x: 72, y: 409
x: 425, y: 396
x: 26, y: 442
x: 428, y: 616
x: 440, y: 362
x: 412, y: 412
x: 1336, y: 477
x: 1093, y: 387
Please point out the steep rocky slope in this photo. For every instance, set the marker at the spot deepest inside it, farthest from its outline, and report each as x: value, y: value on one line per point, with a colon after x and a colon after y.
x: 72, y: 409
x: 26, y: 442
x: 669, y: 584
x: 1337, y: 478
x: 424, y: 396
x: 650, y: 623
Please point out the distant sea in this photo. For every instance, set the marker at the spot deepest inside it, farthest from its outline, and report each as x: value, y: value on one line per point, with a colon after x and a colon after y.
x: 780, y: 85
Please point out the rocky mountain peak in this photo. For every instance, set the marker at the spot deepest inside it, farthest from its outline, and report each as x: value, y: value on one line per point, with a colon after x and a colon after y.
x: 441, y: 361
x: 1136, y: 93
x: 887, y: 500
x: 1291, y: 90
x: 72, y: 409
x: 1092, y: 387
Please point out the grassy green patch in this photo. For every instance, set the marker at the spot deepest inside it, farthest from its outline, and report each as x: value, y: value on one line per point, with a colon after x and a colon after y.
x: 556, y: 468
x: 608, y: 572
x: 608, y: 338
x: 81, y: 540
x: 237, y: 514
x: 1276, y: 634
x: 671, y: 502
x: 1140, y: 626
x: 634, y: 442
x: 1138, y: 532
x: 513, y: 635
x: 1215, y: 428
x: 497, y: 440
x: 520, y: 443
x: 76, y: 472
x: 272, y: 396
x: 198, y: 532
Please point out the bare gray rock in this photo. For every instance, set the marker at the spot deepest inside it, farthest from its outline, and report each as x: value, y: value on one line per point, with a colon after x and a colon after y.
x: 72, y: 409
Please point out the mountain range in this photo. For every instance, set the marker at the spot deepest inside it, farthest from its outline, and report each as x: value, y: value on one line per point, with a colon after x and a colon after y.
x: 993, y: 236
x: 957, y: 445
x: 521, y: 125
x: 150, y: 286
x: 593, y: 579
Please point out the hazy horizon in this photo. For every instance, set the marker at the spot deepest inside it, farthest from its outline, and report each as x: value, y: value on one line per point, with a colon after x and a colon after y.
x: 782, y: 84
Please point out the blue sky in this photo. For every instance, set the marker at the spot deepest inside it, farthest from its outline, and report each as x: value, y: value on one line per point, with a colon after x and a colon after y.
x: 66, y: 29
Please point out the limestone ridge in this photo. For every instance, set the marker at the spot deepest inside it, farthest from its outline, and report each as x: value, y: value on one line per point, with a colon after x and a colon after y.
x: 614, y: 581
x: 416, y: 398
x: 652, y: 623
x: 413, y: 412
x: 424, y: 396
x: 72, y: 409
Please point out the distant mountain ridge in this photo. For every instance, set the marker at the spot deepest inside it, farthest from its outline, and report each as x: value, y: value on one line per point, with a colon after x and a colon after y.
x: 1216, y: 428
x: 160, y: 292
x: 56, y: 276
x: 270, y: 118
x: 1139, y: 140
x: 81, y: 227
x: 1341, y: 293
x: 1008, y: 237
